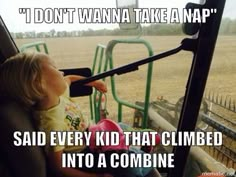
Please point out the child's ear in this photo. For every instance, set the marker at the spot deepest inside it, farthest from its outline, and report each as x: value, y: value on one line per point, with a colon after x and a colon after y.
x: 44, y: 86
x: 40, y: 86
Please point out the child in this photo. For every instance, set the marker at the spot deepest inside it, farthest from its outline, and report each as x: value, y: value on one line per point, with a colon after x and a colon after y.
x: 34, y: 81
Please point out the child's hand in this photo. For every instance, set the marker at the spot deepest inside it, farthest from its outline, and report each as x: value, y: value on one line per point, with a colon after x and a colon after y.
x: 100, y: 86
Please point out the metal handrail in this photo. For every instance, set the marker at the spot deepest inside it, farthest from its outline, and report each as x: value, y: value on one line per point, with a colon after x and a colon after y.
x: 35, y: 45
x: 125, y: 69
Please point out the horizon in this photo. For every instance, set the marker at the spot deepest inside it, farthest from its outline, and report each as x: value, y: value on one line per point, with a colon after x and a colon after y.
x: 16, y: 21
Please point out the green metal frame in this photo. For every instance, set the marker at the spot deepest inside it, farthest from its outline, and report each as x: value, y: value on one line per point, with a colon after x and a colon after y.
x: 35, y: 45
x: 98, y: 63
x: 109, y: 63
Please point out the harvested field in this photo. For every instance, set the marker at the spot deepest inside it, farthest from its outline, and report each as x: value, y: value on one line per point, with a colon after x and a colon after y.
x: 169, y: 75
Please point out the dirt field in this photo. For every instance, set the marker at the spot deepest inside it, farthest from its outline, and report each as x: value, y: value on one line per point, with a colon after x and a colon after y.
x: 169, y: 75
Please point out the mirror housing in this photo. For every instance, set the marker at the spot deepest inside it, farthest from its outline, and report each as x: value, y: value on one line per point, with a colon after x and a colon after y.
x: 76, y: 89
x: 130, y: 5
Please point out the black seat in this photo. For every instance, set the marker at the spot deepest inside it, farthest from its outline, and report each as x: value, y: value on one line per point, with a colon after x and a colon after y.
x: 16, y: 161
x: 21, y: 161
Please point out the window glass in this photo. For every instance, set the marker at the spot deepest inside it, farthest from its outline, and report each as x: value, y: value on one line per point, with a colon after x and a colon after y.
x: 72, y: 43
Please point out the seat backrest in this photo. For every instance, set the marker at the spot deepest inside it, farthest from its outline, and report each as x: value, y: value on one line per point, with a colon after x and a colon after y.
x: 21, y: 161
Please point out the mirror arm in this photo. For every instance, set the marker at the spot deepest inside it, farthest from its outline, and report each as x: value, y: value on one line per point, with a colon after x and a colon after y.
x: 131, y: 67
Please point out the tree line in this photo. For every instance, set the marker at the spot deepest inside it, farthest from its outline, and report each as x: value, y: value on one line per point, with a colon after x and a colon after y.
x: 228, y: 27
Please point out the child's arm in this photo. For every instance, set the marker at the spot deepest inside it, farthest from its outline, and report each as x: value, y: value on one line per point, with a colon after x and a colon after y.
x: 99, y: 85
x: 55, y: 160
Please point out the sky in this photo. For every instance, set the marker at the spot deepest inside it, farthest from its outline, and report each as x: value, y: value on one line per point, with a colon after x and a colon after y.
x: 16, y: 21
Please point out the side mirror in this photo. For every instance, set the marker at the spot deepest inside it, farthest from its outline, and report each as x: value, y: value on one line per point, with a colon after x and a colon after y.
x: 76, y: 89
x: 130, y: 5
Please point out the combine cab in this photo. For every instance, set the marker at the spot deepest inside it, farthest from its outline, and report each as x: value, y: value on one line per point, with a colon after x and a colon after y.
x: 194, y: 112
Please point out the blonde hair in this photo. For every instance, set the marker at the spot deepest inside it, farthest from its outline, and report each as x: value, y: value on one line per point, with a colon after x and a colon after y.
x: 21, y: 78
